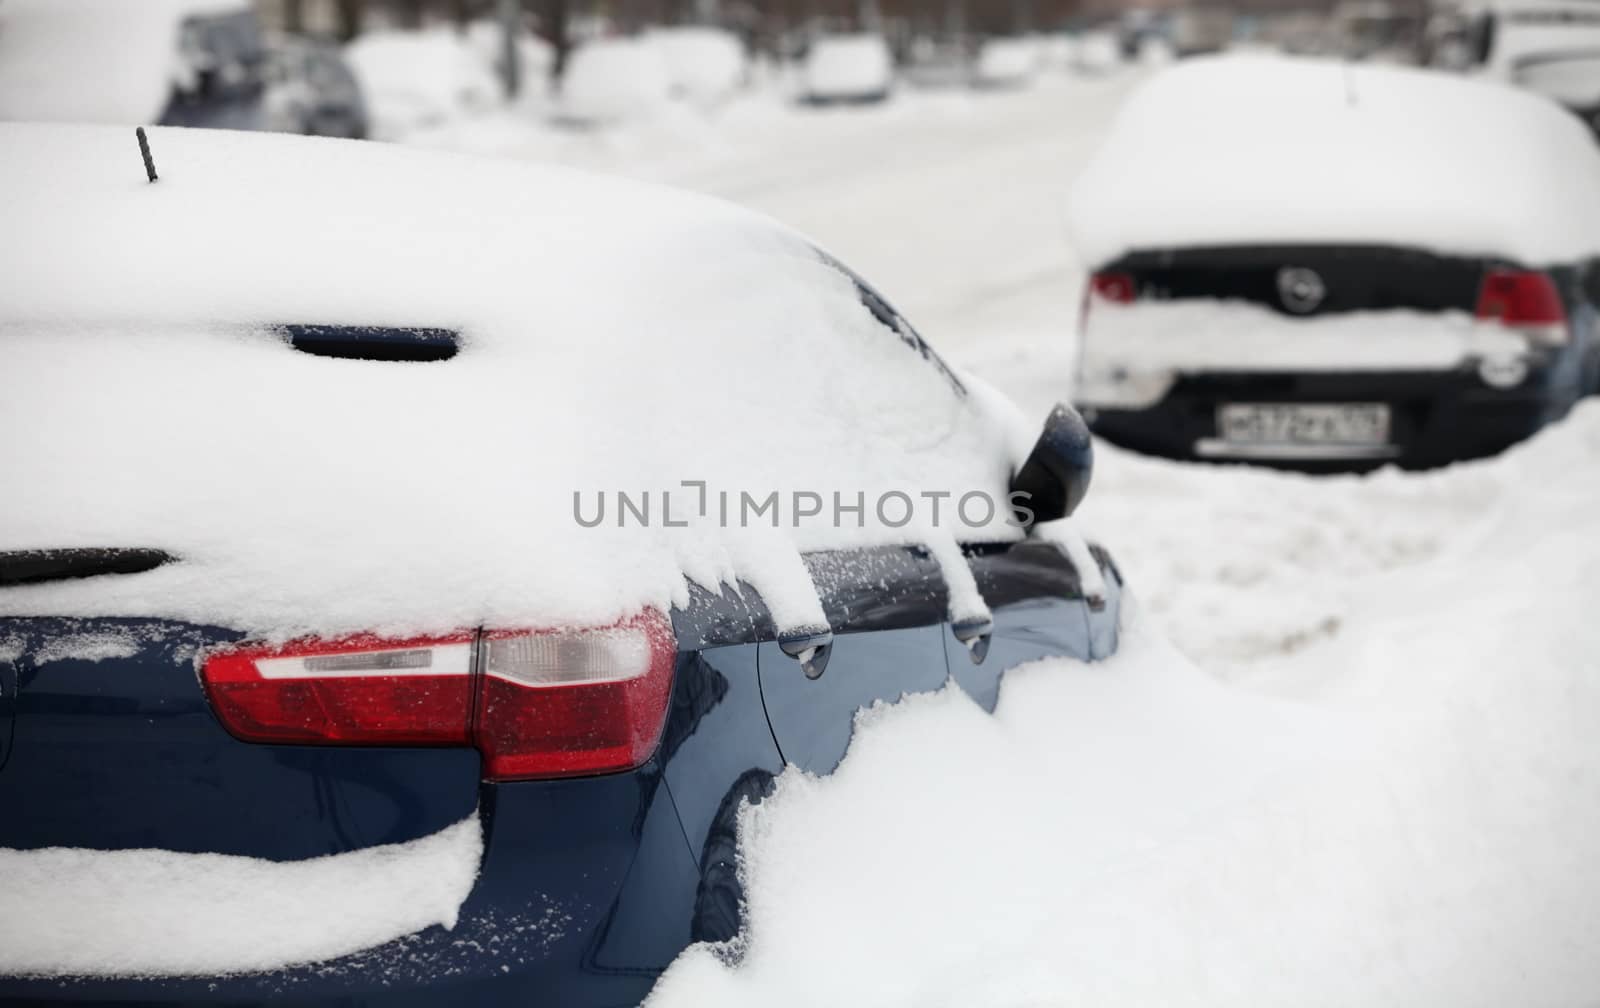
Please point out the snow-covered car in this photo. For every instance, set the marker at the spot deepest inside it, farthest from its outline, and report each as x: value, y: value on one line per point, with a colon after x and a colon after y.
x: 175, y: 62
x: 847, y: 68
x: 612, y: 80
x: 1006, y: 62
x: 1096, y: 52
x: 705, y: 66
x: 398, y: 606
x: 311, y: 90
x: 1551, y: 47
x: 1319, y: 264
x: 415, y: 79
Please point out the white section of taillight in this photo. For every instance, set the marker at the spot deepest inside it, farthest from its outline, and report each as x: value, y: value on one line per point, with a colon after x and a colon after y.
x: 438, y: 659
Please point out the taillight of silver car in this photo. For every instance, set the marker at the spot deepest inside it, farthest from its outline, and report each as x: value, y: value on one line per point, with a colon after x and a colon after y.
x: 536, y: 703
x: 1526, y: 301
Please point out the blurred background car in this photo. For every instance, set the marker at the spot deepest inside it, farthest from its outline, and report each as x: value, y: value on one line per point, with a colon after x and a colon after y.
x: 174, y: 62
x: 311, y: 90
x: 1548, y: 46
x: 414, y: 79
x: 847, y: 68
x: 1006, y: 62
x: 706, y: 66
x: 614, y: 79
x: 1369, y: 282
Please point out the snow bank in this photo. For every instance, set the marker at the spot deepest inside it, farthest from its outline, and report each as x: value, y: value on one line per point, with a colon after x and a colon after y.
x: 617, y: 338
x: 1138, y: 350
x: 417, y: 78
x: 1415, y: 827
x: 75, y: 912
x: 1262, y: 150
x: 98, y: 61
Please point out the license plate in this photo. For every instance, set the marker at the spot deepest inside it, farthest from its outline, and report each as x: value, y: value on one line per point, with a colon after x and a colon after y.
x: 1302, y: 424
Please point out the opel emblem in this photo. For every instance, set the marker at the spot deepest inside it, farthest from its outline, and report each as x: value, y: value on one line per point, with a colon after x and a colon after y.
x: 1301, y: 289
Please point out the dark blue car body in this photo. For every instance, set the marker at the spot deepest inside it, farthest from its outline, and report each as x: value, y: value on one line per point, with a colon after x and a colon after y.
x: 588, y: 887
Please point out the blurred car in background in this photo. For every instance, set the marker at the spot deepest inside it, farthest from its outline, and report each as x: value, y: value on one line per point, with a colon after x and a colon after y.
x: 705, y: 66
x: 1096, y: 51
x: 174, y: 62
x: 1196, y: 31
x: 1006, y: 62
x: 1401, y: 270
x: 847, y: 69
x: 610, y: 80
x: 1375, y: 30
x: 1548, y: 46
x: 931, y: 63
x: 416, y: 79
x: 298, y: 723
x: 312, y: 91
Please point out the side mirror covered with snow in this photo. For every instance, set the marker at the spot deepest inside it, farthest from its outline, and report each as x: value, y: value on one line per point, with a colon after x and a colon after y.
x: 1055, y: 476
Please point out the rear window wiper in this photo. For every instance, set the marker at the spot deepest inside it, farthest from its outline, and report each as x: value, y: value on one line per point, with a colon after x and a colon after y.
x: 33, y: 566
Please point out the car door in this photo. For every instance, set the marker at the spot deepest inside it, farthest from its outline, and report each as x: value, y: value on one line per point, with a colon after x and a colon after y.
x: 1036, y: 597
x: 886, y: 608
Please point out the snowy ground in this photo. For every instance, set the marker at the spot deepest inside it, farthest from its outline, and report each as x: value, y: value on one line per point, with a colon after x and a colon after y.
x: 1347, y: 755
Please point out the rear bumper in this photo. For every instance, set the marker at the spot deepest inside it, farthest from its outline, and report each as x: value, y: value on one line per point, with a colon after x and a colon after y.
x: 586, y: 892
x: 1436, y: 417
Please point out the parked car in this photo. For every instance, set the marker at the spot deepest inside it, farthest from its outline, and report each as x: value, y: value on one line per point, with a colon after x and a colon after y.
x: 706, y: 66
x: 1551, y: 47
x: 847, y: 68
x: 1096, y: 52
x: 174, y: 62
x: 417, y: 79
x: 614, y: 79
x: 1006, y: 62
x: 1371, y: 280
x: 312, y: 90
x: 315, y: 680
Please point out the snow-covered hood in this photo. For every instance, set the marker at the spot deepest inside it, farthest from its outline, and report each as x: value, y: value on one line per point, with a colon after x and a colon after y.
x: 1264, y: 150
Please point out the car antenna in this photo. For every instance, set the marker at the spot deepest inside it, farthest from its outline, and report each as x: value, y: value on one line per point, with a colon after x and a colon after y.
x: 144, y: 152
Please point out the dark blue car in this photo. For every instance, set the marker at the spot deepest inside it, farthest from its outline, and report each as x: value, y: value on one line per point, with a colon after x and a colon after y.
x: 593, y: 776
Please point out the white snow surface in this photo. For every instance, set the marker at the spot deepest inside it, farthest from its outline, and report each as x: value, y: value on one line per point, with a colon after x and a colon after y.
x: 76, y: 912
x: 617, y: 337
x: 95, y: 61
x: 1263, y: 150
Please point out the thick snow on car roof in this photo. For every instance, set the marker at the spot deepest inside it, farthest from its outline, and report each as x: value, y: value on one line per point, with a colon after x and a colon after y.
x: 105, y: 61
x: 615, y: 337
x: 1260, y: 150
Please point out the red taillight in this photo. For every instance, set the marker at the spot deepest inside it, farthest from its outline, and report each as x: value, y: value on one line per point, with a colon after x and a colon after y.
x: 1525, y: 300
x: 560, y: 704
x: 538, y: 703
x: 359, y: 690
x: 1115, y: 287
